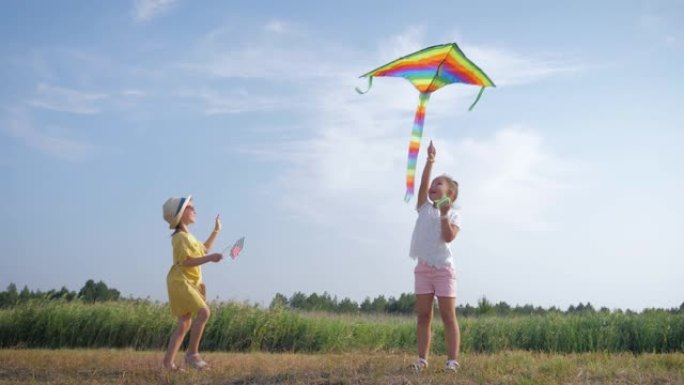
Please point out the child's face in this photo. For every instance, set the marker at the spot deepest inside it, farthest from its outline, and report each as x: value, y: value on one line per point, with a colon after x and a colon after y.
x: 188, y: 214
x: 438, y: 189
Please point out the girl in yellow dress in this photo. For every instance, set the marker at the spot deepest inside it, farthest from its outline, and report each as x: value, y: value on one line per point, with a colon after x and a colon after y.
x: 184, y: 281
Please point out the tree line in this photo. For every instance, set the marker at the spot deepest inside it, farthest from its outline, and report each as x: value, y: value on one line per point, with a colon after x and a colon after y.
x: 90, y: 292
x: 403, y: 305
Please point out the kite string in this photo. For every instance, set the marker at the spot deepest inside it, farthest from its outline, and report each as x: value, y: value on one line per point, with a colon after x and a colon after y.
x: 414, y: 144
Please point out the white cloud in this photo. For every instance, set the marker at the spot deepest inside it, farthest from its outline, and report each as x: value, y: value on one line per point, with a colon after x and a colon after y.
x: 512, y: 178
x: 509, y: 179
x: 84, y: 103
x: 146, y: 10
x: 354, y: 166
x: 275, y: 62
x: 20, y: 127
x: 278, y: 52
x: 233, y: 102
x: 132, y: 93
x: 277, y: 26
x: 393, y: 47
x: 509, y: 68
x: 67, y: 100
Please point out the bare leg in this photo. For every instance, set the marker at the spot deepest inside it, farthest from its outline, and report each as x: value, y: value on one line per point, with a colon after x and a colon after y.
x: 197, y: 330
x: 447, y: 309
x: 176, y: 340
x: 424, y: 311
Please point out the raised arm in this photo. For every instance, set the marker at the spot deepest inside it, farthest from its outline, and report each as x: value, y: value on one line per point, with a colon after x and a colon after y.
x: 212, y: 237
x: 425, y: 178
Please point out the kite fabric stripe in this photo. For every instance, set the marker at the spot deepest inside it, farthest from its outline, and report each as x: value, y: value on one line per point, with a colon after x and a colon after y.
x: 414, y: 145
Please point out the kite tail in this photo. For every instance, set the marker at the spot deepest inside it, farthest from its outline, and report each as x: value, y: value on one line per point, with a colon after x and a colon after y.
x: 370, y: 83
x: 476, y: 99
x: 414, y: 145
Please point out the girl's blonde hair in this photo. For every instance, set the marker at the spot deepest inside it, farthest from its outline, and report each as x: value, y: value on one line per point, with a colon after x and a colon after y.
x: 453, y: 185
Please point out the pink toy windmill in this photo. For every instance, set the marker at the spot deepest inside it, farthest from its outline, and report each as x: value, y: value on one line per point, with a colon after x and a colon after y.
x: 236, y: 248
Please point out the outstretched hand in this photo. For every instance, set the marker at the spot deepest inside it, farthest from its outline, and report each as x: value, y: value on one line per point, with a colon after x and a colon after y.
x: 432, y: 152
x: 216, y: 257
x: 217, y: 223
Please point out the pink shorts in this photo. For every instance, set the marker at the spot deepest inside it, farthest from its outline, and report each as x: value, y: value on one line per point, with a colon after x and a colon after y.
x: 440, y: 281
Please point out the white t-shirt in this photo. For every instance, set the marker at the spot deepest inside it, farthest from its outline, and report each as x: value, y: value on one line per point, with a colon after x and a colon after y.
x: 427, y: 244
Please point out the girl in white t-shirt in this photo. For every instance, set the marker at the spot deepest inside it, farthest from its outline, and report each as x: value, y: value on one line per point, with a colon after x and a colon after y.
x: 437, y: 225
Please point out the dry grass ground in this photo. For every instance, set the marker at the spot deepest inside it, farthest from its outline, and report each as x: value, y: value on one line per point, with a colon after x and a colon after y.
x: 135, y: 367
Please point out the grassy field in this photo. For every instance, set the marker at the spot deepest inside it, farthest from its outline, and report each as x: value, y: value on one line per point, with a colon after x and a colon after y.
x: 235, y: 327
x: 123, y: 342
x: 100, y: 366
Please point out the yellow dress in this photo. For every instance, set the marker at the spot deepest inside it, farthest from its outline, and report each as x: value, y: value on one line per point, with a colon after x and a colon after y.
x: 183, y: 283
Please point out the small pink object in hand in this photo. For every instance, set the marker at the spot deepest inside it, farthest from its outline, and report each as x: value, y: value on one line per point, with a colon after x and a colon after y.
x: 237, y: 248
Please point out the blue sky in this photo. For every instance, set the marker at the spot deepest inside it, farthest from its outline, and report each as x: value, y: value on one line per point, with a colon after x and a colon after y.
x: 570, y: 170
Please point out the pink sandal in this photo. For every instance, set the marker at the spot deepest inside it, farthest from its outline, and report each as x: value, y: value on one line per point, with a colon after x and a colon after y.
x: 194, y: 361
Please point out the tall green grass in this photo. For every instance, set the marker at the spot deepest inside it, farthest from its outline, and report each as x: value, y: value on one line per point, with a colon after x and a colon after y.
x: 654, y: 332
x: 240, y: 327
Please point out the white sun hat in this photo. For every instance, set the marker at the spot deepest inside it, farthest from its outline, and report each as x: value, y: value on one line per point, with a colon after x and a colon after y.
x: 173, y: 210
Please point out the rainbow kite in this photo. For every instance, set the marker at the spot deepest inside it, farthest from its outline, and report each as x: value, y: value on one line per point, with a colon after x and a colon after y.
x: 429, y: 70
